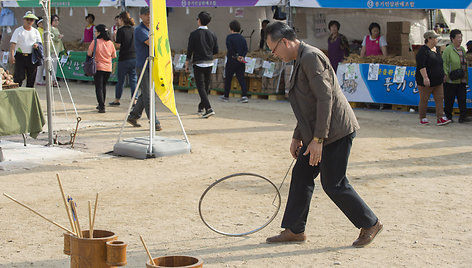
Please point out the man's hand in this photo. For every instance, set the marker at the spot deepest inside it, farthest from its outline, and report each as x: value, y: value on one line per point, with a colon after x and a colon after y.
x: 186, y: 66
x: 295, y: 147
x: 426, y: 82
x: 314, y: 149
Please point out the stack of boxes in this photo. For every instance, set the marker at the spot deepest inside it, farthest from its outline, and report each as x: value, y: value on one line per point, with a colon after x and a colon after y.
x: 398, y: 38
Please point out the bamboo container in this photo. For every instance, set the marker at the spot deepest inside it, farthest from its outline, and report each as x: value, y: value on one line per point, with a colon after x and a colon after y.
x: 90, y: 252
x: 116, y: 253
x: 176, y: 261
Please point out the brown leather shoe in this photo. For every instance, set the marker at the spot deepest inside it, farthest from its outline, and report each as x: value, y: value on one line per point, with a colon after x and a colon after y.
x: 133, y: 122
x: 367, y: 235
x: 287, y: 236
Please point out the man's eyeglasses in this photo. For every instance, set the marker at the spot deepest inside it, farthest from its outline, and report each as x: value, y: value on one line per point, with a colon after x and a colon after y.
x: 275, y: 48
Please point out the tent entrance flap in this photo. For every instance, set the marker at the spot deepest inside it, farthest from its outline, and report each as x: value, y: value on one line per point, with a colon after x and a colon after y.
x: 161, y: 146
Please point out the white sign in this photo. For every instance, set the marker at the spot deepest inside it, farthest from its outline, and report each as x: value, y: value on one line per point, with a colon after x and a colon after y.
x: 64, y: 59
x: 399, y: 75
x: 350, y: 72
x: 250, y: 65
x: 269, y: 72
x: 215, y: 66
x: 179, y: 61
x: 5, y: 57
x: 373, y: 71
x: 266, y: 64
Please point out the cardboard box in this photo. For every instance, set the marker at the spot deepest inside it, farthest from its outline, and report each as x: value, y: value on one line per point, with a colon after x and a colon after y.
x: 269, y: 85
x: 398, y: 38
x: 398, y: 50
x: 398, y: 27
x: 255, y: 84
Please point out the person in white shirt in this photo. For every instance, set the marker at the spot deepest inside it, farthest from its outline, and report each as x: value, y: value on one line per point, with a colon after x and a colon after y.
x: 22, y: 43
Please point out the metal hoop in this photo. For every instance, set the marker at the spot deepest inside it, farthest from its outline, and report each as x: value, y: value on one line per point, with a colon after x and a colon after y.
x: 231, y: 176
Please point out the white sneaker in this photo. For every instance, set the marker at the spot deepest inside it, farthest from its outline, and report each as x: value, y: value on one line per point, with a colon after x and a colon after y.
x: 243, y: 100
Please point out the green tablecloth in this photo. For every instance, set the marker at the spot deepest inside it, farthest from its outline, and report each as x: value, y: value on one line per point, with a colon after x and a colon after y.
x: 20, y: 112
x: 74, y: 67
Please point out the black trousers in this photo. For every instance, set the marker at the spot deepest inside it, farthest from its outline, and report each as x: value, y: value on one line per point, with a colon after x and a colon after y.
x: 24, y: 66
x: 451, y: 91
x: 237, y: 68
x: 203, y: 79
x: 332, y: 167
x: 100, y: 79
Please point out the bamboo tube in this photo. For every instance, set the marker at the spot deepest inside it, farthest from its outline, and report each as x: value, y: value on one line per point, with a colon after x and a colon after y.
x: 77, y: 219
x: 147, y: 250
x: 95, y: 211
x: 90, y: 219
x: 37, y: 213
x: 65, y: 202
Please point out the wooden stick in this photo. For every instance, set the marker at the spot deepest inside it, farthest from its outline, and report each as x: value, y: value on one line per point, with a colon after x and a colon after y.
x: 65, y: 202
x: 37, y: 213
x: 95, y: 211
x: 74, y: 205
x: 69, y: 199
x: 90, y: 219
x: 147, y: 251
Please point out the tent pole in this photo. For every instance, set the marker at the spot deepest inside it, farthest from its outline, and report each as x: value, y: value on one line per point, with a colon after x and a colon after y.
x: 47, y: 63
x: 152, y: 100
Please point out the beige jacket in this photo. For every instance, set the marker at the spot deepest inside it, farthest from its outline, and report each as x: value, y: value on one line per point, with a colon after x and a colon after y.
x: 316, y: 98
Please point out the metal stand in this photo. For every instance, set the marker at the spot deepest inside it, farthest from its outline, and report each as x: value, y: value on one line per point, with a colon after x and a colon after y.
x: 152, y: 146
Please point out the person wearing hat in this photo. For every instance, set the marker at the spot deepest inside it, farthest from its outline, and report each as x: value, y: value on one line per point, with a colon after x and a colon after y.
x: 430, y: 78
x: 22, y: 43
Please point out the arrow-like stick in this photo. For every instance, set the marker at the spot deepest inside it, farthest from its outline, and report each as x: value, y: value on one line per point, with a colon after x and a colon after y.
x: 37, y: 213
x: 147, y: 251
x: 65, y: 203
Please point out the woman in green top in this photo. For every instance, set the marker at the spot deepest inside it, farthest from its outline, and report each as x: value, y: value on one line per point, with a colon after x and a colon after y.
x: 454, y: 59
x: 58, y: 45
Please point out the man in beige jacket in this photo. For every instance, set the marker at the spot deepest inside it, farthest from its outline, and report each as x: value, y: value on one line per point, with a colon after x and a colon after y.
x: 322, y: 140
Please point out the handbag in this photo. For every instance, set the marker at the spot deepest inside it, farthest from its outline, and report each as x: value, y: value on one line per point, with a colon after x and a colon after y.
x: 457, y: 74
x: 90, y: 67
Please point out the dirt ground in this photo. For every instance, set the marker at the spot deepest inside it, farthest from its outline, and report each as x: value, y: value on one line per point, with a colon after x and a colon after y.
x: 415, y: 178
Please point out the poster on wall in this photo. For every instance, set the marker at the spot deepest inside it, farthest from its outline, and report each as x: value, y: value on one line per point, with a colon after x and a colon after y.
x: 320, y: 27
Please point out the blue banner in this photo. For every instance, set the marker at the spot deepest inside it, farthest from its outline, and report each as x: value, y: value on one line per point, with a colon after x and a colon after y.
x: 408, y: 4
x: 359, y: 85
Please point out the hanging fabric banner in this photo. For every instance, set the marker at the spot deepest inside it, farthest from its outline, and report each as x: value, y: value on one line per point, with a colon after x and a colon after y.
x: 207, y: 3
x: 389, y: 4
x: 162, y: 73
x: 63, y: 3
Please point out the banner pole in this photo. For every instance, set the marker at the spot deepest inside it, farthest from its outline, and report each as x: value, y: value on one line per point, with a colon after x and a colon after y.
x: 132, y: 99
x: 181, y: 125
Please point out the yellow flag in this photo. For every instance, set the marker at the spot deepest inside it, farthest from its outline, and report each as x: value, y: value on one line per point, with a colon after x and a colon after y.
x: 162, y: 66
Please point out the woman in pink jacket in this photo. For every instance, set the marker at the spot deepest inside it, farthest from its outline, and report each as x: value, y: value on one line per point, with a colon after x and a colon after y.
x: 104, y: 54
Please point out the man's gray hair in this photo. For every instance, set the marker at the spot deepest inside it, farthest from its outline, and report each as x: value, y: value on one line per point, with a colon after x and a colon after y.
x: 278, y: 30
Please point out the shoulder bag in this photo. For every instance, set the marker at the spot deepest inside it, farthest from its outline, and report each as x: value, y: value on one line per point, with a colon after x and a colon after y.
x: 90, y: 67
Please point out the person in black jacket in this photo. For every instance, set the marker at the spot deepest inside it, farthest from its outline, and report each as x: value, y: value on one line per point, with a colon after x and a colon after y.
x: 262, y: 43
x: 202, y: 45
x: 237, y: 50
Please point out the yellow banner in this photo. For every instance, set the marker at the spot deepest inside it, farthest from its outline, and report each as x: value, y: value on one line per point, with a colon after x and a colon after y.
x: 162, y: 66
